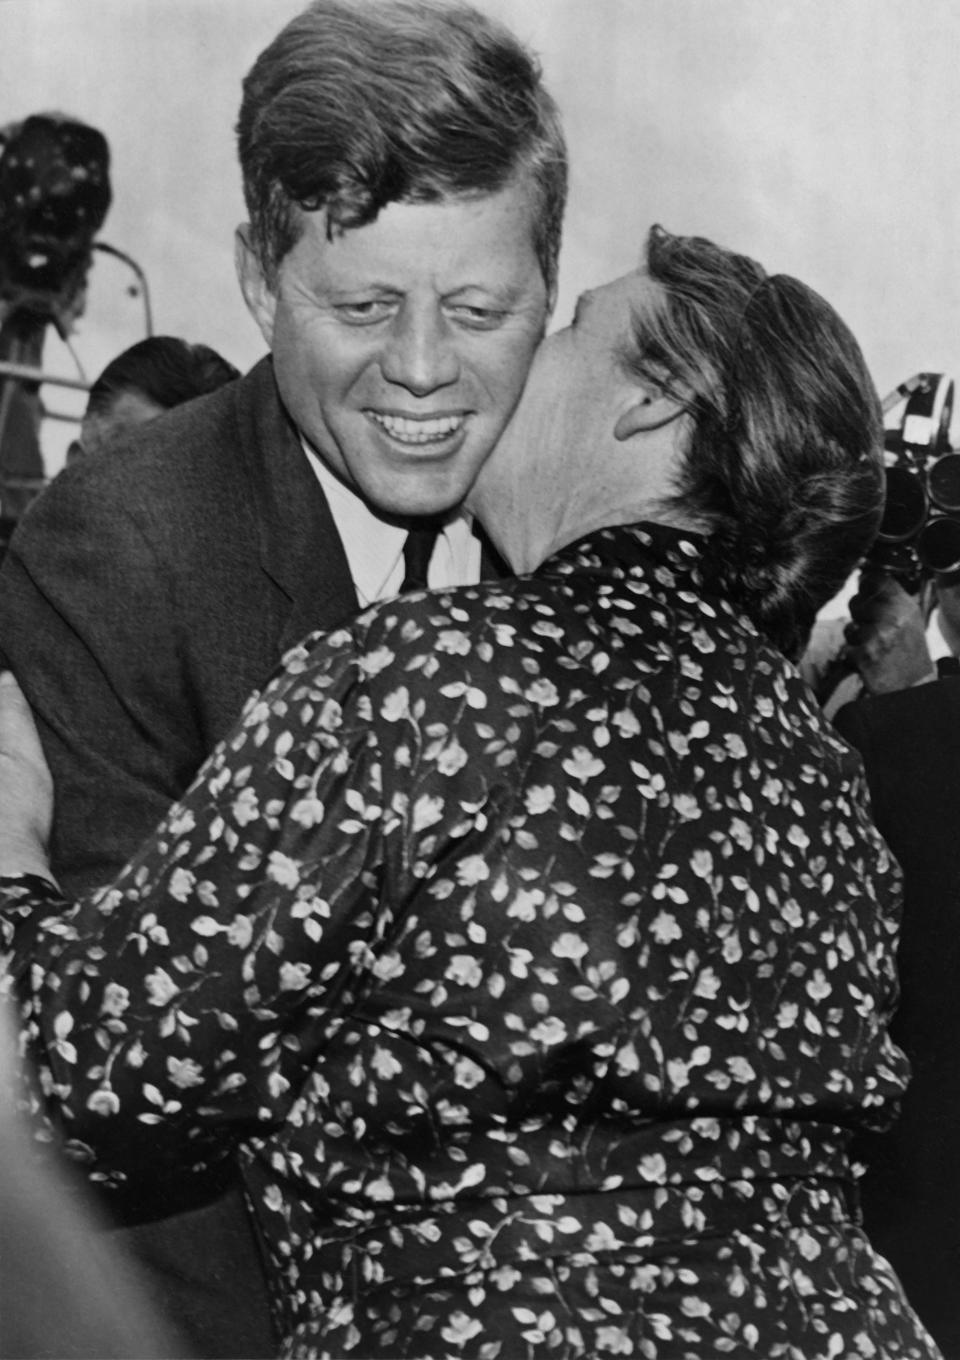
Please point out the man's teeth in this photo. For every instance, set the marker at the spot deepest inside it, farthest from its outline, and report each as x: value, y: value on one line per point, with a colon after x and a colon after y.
x: 418, y: 431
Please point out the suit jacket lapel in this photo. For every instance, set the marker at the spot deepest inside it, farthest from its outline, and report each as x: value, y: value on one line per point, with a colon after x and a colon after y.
x: 300, y: 548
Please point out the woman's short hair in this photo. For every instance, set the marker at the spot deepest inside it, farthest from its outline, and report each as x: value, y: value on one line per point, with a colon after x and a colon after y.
x: 784, y: 466
x: 356, y: 105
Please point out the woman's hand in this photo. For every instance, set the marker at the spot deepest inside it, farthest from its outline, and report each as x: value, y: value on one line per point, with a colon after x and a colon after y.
x: 887, y: 636
x: 26, y: 789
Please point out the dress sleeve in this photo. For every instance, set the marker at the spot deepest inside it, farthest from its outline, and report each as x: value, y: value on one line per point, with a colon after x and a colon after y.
x: 174, y: 1012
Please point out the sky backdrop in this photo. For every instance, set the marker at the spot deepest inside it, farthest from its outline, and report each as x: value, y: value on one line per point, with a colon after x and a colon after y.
x: 820, y: 136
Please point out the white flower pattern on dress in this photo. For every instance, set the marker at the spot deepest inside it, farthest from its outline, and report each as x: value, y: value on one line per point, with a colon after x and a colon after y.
x: 532, y: 946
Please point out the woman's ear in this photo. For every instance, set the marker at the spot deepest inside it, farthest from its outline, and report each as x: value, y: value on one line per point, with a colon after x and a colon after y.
x: 647, y: 412
x: 257, y: 294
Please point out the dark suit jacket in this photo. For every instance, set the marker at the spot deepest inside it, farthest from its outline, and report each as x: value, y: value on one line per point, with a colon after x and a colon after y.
x: 147, y: 592
x: 910, y: 744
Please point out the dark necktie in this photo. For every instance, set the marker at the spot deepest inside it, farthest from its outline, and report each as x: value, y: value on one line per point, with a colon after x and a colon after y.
x: 416, y: 556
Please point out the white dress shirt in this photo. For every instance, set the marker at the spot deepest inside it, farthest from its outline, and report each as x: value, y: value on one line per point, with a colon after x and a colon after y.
x: 937, y: 644
x: 374, y: 547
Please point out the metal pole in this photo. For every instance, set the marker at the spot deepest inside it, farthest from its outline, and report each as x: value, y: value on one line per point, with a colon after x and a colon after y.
x: 36, y: 375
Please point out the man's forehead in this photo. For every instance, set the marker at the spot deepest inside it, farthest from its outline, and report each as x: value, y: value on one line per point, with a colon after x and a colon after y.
x: 490, y: 236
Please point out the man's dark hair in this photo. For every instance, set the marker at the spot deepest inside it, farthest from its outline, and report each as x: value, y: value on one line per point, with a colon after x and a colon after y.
x: 784, y: 468
x: 356, y: 105
x: 164, y: 369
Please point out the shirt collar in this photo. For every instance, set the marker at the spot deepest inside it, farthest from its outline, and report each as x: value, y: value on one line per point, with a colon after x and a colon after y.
x: 937, y: 644
x: 374, y: 546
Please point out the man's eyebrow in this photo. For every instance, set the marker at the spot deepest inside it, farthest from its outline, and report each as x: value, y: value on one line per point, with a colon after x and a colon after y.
x: 504, y: 290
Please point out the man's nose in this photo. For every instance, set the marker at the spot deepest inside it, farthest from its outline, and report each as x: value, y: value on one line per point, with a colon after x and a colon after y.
x: 421, y: 352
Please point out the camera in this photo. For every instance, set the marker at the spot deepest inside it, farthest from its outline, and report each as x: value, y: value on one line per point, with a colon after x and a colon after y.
x: 54, y: 196
x: 919, y: 536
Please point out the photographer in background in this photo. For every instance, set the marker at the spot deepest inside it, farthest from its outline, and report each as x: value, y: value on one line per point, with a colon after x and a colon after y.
x: 897, y: 638
x: 150, y: 377
x: 903, y: 640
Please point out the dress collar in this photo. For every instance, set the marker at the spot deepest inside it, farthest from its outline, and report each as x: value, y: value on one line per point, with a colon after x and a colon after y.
x: 645, y: 544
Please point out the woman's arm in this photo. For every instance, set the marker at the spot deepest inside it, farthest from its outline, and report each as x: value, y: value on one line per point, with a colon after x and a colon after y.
x: 176, y: 1010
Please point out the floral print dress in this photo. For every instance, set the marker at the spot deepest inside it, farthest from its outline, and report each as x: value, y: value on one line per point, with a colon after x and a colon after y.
x: 532, y: 946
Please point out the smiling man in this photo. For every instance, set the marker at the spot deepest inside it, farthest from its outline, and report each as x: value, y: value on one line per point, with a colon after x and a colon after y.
x: 405, y: 176
x: 400, y: 347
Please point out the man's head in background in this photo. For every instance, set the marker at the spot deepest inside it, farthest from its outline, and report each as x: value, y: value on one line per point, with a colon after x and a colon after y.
x: 405, y: 177
x: 145, y: 380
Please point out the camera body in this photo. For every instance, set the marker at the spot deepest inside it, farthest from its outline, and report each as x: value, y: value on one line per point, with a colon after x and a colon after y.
x: 54, y: 196
x: 919, y: 536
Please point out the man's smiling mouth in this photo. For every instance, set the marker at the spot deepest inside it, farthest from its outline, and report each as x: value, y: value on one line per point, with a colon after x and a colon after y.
x: 418, y: 429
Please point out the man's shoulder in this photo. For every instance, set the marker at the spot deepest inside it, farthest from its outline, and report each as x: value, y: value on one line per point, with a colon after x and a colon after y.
x: 909, y: 742
x: 198, y: 436
x: 180, y: 465
x: 896, y: 720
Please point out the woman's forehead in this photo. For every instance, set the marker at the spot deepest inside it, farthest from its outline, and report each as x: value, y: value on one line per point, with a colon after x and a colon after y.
x: 619, y: 301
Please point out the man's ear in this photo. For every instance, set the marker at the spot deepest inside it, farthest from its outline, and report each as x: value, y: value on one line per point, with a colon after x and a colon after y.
x: 260, y: 298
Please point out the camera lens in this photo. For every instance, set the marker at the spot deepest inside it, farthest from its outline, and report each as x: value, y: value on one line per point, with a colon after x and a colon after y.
x: 938, y: 546
x: 904, y: 507
x: 943, y: 482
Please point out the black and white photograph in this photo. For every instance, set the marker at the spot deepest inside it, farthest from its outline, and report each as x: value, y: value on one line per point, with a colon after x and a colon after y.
x: 479, y: 680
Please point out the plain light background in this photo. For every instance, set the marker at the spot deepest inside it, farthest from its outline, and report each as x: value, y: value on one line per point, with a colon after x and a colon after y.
x: 820, y: 136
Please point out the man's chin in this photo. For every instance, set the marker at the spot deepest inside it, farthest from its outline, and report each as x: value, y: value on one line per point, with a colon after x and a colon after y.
x: 418, y: 496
